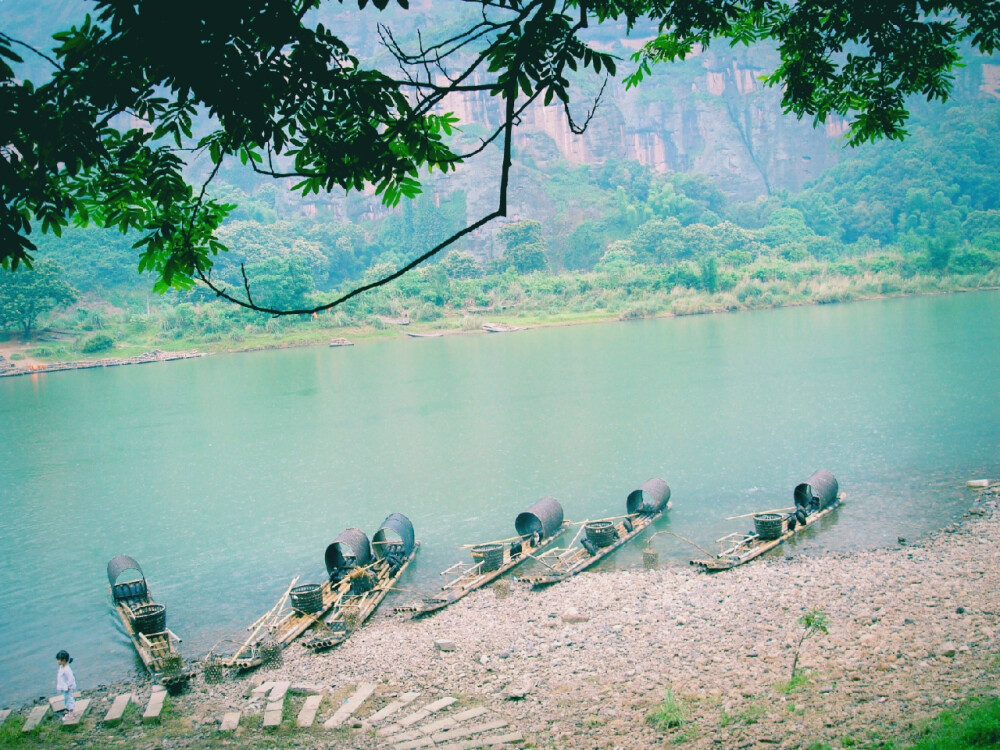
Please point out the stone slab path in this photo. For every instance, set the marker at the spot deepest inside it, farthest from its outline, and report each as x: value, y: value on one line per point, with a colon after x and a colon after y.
x: 114, y: 715
x: 308, y: 713
x: 401, y: 702
x: 35, y: 717
x: 230, y: 721
x: 273, y: 713
x: 79, y: 710
x: 3, y: 716
x: 155, y: 705
x: 352, y: 704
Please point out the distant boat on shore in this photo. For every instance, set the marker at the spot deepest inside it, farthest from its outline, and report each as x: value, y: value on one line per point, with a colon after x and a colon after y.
x: 341, y: 342
x: 500, y: 328
x: 416, y: 335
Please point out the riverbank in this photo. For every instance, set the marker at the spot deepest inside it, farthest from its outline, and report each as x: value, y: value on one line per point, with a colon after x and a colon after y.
x: 21, y: 357
x: 913, y: 630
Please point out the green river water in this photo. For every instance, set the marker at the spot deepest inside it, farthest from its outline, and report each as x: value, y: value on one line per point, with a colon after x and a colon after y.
x: 226, y: 476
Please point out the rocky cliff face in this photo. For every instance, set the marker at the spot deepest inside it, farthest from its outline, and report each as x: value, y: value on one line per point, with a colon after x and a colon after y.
x: 709, y: 114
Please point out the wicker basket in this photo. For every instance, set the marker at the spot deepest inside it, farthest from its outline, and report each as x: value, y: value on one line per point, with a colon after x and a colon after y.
x: 214, y: 671
x: 501, y: 589
x: 491, y: 556
x: 650, y: 559
x: 270, y: 653
x: 150, y: 618
x: 602, y: 533
x: 768, y: 525
x: 307, y: 598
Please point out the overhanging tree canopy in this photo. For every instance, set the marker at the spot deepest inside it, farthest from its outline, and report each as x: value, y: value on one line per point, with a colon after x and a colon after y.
x: 106, y: 139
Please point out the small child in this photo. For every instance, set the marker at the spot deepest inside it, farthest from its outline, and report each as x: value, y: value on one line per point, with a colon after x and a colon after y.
x: 66, y: 682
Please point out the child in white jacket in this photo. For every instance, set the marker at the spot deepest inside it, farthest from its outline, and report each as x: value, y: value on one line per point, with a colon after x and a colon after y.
x: 65, y: 681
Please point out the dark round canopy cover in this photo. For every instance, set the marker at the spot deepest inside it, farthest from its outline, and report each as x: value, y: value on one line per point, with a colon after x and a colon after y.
x: 395, y: 528
x: 544, y: 517
x: 652, y: 497
x: 822, y: 485
x: 119, y: 564
x: 350, y: 548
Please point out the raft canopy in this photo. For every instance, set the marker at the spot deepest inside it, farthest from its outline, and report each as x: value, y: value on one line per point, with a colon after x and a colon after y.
x: 544, y: 518
x: 652, y: 497
x: 396, y: 530
x: 350, y: 549
x: 136, y: 583
x: 819, y: 491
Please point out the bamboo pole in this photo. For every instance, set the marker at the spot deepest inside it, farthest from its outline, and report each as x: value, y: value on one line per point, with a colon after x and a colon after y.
x: 683, y: 539
x: 756, y: 512
x: 261, y: 622
x: 495, y: 541
x: 528, y: 554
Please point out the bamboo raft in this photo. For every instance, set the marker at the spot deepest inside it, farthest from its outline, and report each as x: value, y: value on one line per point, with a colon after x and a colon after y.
x: 644, y: 507
x: 366, y: 586
x: 357, y: 579
x: 815, y: 498
x: 536, y: 528
x: 145, y: 622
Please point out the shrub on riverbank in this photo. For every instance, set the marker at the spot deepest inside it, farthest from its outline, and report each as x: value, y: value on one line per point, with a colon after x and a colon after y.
x: 632, y: 292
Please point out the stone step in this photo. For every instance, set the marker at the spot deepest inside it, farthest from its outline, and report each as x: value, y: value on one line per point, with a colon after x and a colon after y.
x: 155, y: 705
x: 71, y: 720
x: 412, y: 744
x: 230, y: 721
x: 278, y: 691
x: 3, y: 716
x: 114, y: 716
x: 351, y: 705
x: 262, y: 689
x: 58, y: 703
x: 452, y: 721
x: 493, y: 741
x: 401, y: 702
x: 416, y: 717
x: 273, y: 713
x: 308, y: 713
x: 35, y: 717
x: 453, y: 734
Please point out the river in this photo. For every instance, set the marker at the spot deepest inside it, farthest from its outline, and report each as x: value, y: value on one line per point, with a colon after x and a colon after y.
x: 226, y: 476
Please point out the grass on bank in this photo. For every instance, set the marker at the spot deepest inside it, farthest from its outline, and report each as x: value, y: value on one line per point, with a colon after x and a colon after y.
x: 536, y: 299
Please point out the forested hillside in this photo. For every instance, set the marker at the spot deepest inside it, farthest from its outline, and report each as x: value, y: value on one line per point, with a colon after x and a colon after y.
x: 690, y: 193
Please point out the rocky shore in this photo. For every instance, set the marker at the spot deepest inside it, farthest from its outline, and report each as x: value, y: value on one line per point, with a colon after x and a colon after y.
x: 912, y: 630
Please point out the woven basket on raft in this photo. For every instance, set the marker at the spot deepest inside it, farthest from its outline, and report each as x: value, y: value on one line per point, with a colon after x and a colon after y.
x: 491, y: 556
x: 150, y: 618
x: 307, y: 598
x: 768, y: 525
x: 601, y: 533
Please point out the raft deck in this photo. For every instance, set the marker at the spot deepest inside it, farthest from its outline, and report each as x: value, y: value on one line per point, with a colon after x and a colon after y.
x: 565, y: 562
x: 158, y: 651
x: 471, y: 577
x: 351, y: 610
x: 282, y: 624
x: 742, y: 548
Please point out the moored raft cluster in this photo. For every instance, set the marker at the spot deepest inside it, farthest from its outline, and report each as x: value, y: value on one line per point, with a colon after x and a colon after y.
x: 913, y: 629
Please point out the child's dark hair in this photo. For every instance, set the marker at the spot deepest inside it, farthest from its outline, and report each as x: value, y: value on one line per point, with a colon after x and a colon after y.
x: 64, y: 656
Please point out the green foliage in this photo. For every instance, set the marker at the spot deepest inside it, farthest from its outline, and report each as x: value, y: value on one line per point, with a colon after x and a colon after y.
x: 275, y: 90
x: 26, y: 295
x: 973, y: 726
x: 525, y: 251
x: 812, y: 622
x: 99, y: 342
x: 894, y: 54
x: 670, y: 714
